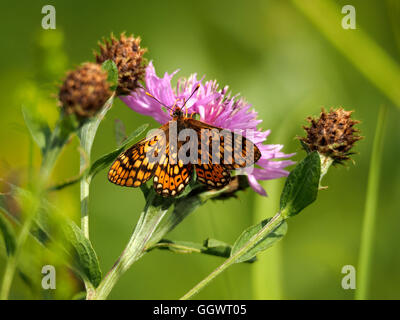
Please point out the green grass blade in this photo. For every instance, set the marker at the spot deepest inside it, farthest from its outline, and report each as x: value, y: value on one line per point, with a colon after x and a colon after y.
x: 368, y: 228
x: 364, y: 53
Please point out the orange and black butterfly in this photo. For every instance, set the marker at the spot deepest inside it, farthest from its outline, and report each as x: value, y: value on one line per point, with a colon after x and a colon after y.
x: 156, y: 156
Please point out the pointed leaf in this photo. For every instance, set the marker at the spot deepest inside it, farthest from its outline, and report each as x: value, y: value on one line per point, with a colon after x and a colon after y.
x: 210, y: 247
x: 107, y: 159
x: 216, y: 248
x: 301, y: 186
x: 261, y: 245
x: 85, y: 258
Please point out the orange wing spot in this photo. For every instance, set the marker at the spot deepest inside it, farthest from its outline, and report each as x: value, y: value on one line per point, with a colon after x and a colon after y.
x: 200, y: 172
x: 162, y: 174
x: 140, y: 175
x: 172, y: 184
x: 147, y: 175
x: 129, y: 182
x: 115, y: 165
x: 178, y: 180
x: 158, y: 171
x: 119, y: 170
x: 166, y: 182
x: 132, y: 173
x: 137, y: 183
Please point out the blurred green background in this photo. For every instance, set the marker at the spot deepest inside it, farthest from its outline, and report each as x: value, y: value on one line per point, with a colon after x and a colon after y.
x: 283, y: 64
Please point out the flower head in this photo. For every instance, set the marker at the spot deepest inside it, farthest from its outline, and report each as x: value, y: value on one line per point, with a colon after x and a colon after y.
x: 216, y: 107
x: 85, y: 90
x: 128, y: 57
x: 332, y: 134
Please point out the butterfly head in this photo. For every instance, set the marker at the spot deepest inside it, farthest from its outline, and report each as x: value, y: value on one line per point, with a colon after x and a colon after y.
x: 177, y: 112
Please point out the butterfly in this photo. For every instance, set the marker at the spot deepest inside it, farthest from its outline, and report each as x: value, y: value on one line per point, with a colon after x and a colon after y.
x: 157, y: 157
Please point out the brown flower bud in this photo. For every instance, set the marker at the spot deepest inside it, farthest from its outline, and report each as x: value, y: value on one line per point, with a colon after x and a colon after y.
x: 332, y: 134
x: 128, y: 57
x: 85, y: 90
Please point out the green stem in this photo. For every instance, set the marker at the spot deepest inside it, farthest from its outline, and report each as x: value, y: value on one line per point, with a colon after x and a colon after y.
x: 268, y: 228
x: 149, y: 230
x: 326, y: 163
x: 135, y: 249
x: 368, y: 228
x: 87, y: 134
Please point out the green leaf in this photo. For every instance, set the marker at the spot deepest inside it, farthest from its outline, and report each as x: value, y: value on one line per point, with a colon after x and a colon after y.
x: 261, y: 245
x: 216, y: 248
x: 8, y: 233
x: 85, y: 258
x: 179, y: 246
x: 301, y: 186
x: 210, y: 246
x: 37, y: 127
x: 134, y: 135
x: 107, y: 159
x: 112, y: 71
x: 305, y: 146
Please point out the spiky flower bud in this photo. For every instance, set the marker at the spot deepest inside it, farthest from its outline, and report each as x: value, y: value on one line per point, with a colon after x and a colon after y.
x: 85, y: 90
x: 332, y: 134
x: 128, y: 57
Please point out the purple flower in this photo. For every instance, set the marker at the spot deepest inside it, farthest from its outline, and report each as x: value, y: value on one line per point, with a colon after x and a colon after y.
x: 216, y: 107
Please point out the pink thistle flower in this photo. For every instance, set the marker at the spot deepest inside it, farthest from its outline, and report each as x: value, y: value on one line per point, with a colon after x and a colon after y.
x: 216, y: 107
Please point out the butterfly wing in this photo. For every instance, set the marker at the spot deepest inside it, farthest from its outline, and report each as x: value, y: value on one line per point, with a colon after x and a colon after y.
x: 137, y: 164
x: 235, y: 151
x: 214, y: 176
x: 171, y: 179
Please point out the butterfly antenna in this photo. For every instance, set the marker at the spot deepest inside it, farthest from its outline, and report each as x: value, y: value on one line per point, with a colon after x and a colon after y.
x: 151, y: 96
x: 194, y: 91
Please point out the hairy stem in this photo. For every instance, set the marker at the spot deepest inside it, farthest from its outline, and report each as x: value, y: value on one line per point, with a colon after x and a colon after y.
x: 87, y: 134
x: 136, y: 247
